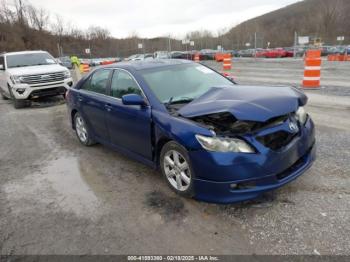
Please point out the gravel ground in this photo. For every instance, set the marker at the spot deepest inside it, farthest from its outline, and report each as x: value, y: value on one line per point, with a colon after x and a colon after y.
x: 58, y: 197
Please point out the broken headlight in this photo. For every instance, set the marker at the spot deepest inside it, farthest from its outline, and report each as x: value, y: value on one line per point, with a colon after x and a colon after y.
x: 221, y: 144
x: 301, y: 115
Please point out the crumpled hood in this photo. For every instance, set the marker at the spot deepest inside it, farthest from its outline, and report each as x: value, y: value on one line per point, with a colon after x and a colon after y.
x: 249, y: 103
x: 36, y: 70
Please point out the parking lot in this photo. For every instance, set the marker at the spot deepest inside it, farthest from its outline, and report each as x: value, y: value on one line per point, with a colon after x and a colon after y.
x: 58, y: 197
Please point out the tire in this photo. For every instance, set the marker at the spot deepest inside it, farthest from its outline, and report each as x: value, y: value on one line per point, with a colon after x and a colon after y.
x: 82, y: 131
x: 4, y: 96
x: 176, y: 169
x: 17, y: 103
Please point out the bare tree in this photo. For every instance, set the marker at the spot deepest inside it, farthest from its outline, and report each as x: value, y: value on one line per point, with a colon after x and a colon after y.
x: 38, y: 17
x: 330, y: 14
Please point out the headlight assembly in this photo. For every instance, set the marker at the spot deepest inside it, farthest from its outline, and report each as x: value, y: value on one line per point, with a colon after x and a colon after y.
x: 301, y: 115
x: 67, y: 74
x: 15, y: 79
x: 220, y: 144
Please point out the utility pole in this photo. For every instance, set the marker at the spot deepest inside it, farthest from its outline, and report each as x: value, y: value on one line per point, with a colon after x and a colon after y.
x: 255, y: 44
x: 295, y: 44
x: 169, y: 46
x: 59, y: 49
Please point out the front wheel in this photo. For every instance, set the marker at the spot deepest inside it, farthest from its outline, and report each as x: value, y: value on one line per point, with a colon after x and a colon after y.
x: 3, y: 96
x: 19, y: 103
x: 82, y: 130
x: 176, y: 168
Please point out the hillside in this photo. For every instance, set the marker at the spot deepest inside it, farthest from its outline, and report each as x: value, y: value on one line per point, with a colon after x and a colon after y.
x: 28, y: 27
x: 326, y: 19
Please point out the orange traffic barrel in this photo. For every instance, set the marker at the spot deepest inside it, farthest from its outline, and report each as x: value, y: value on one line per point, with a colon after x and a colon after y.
x: 84, y: 68
x: 312, y: 73
x: 219, y: 57
x: 196, y: 57
x: 332, y: 58
x: 227, y: 62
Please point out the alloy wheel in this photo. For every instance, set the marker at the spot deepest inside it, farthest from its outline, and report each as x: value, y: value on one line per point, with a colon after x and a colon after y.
x: 81, y: 129
x: 177, y: 170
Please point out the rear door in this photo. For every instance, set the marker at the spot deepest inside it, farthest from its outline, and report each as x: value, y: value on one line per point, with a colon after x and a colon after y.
x: 91, y: 102
x: 129, y: 126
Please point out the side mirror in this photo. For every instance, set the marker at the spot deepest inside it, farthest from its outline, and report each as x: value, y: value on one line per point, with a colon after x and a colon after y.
x: 1, y: 67
x: 133, y: 100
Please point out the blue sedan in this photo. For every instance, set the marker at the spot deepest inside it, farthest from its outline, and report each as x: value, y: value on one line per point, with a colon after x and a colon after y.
x: 212, y: 139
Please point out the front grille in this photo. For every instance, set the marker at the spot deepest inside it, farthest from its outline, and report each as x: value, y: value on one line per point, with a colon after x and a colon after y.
x: 276, y: 140
x: 42, y: 78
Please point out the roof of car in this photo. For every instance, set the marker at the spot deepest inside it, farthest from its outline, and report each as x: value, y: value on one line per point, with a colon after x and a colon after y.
x: 24, y: 52
x: 149, y: 64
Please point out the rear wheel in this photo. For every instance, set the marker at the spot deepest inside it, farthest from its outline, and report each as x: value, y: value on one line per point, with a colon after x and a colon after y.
x: 176, y: 168
x: 82, y: 130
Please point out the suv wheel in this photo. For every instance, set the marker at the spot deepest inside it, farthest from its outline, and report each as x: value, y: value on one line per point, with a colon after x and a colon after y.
x: 176, y: 168
x: 3, y: 95
x: 18, y: 103
x: 82, y: 130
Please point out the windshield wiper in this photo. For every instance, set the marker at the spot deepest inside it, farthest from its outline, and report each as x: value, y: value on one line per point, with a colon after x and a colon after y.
x: 182, y: 100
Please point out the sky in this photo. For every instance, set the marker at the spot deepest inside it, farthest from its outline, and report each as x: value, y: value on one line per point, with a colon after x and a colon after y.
x: 153, y: 18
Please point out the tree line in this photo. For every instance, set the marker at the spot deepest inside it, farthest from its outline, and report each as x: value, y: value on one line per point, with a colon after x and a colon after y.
x: 26, y: 27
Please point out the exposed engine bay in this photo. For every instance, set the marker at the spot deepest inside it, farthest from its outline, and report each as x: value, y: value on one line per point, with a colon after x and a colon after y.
x: 226, y: 124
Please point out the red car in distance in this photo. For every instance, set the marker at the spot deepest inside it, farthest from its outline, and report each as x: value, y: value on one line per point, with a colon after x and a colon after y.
x: 272, y: 53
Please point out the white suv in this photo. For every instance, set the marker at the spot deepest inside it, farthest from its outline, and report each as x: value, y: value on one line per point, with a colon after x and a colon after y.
x: 31, y: 74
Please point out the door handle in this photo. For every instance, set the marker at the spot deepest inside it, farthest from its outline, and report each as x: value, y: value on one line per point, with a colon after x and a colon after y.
x: 80, y: 98
x: 108, y: 107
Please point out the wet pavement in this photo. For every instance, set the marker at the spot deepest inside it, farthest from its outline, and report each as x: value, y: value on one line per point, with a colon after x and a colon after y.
x: 59, y: 197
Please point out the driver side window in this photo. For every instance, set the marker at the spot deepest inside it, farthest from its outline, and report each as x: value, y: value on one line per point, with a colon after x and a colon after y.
x: 123, y: 84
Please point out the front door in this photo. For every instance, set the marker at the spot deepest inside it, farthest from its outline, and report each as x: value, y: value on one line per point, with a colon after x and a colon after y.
x: 129, y: 126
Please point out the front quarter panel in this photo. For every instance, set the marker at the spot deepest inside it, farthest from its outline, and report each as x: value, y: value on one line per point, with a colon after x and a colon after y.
x: 179, y: 129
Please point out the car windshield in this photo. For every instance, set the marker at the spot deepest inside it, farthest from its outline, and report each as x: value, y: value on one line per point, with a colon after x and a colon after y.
x: 183, y: 82
x: 64, y: 59
x: 32, y: 59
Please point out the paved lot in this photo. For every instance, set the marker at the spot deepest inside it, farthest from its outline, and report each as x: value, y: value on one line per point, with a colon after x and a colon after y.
x: 58, y: 197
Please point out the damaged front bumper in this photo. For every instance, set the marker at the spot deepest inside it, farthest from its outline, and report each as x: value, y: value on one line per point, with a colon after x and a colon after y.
x: 235, y: 177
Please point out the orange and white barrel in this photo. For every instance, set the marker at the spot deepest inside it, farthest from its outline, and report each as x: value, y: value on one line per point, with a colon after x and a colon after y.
x: 84, y: 68
x: 227, y: 62
x: 312, y: 73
